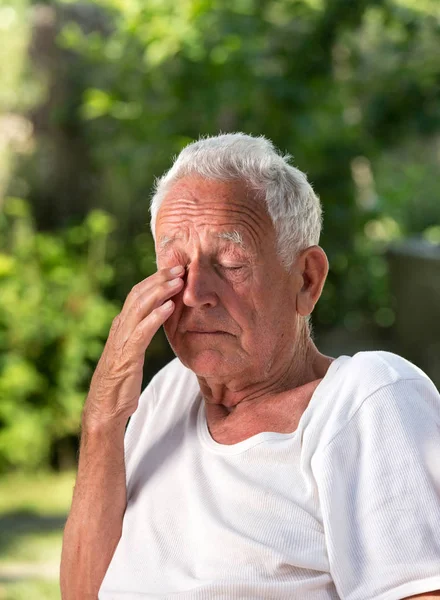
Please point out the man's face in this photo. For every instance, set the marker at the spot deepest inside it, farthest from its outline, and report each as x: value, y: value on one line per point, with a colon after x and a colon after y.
x: 236, y: 312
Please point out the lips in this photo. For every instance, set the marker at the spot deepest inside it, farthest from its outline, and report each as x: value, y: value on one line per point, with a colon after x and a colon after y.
x: 200, y: 331
x: 202, y: 328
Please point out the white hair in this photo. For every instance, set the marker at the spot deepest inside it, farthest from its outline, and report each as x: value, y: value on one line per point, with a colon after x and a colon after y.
x: 291, y: 203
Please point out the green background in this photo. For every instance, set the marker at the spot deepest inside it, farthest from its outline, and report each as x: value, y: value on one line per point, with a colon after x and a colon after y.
x: 95, y: 100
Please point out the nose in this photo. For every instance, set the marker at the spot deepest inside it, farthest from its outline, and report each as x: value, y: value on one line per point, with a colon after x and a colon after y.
x: 199, y: 286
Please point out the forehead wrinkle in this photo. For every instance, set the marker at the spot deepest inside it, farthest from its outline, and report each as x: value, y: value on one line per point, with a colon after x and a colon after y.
x: 234, y: 237
x: 255, y: 234
x: 194, y: 208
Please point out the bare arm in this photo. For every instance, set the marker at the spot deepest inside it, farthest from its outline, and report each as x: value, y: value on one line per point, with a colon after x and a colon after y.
x: 94, y: 526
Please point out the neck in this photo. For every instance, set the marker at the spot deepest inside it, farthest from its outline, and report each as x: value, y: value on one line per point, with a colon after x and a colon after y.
x: 304, y: 365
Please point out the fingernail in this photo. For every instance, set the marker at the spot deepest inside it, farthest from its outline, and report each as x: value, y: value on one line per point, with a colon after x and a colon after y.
x: 174, y: 282
x: 176, y: 270
x: 167, y: 305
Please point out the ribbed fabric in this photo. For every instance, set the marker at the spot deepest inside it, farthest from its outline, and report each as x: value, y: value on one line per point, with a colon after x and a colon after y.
x: 347, y: 506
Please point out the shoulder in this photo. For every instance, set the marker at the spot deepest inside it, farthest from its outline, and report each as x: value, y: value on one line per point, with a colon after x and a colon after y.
x: 378, y: 368
x: 372, y: 382
x: 378, y: 478
x: 365, y: 373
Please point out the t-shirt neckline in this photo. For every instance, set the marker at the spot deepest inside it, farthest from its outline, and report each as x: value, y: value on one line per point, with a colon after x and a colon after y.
x: 208, y: 441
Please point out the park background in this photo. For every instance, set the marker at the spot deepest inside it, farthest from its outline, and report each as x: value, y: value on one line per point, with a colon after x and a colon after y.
x: 95, y: 100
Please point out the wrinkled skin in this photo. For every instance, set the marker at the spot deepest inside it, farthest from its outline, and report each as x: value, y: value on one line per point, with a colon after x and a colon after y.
x: 243, y: 292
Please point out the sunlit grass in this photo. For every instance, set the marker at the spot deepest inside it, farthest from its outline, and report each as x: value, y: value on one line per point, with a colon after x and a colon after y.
x: 33, y: 509
x: 30, y: 590
x: 35, y: 547
x: 45, y: 493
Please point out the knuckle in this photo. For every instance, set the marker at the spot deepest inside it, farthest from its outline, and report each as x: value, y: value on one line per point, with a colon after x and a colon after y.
x: 156, y: 296
x: 166, y: 287
x: 116, y: 321
x: 137, y: 335
x: 135, y: 291
x: 138, y: 307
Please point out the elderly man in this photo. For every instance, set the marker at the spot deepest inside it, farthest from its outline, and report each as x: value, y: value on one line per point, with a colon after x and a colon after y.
x: 253, y: 466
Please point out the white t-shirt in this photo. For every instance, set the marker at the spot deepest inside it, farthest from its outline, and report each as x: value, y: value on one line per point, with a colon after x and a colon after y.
x: 347, y: 506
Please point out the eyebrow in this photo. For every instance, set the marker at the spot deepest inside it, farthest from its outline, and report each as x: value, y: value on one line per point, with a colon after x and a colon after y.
x: 234, y: 237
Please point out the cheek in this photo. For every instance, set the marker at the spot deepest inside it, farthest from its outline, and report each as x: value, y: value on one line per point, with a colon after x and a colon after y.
x: 243, y: 310
x: 270, y: 310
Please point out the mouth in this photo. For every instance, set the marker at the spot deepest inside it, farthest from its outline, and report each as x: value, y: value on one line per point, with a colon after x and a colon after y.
x: 208, y: 332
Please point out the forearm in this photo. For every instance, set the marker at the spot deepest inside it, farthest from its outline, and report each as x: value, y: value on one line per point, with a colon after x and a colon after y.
x: 94, y: 525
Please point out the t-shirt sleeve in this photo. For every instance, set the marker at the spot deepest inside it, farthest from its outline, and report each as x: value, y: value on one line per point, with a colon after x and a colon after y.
x: 379, y: 489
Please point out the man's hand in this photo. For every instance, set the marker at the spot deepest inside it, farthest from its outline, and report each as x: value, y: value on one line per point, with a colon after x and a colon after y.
x: 116, y: 384
x: 94, y: 526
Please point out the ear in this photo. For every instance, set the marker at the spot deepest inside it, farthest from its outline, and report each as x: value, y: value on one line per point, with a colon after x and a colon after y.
x: 312, y: 266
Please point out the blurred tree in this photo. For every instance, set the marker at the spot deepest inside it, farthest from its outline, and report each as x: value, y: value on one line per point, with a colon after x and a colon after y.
x: 16, y: 92
x: 335, y: 83
x: 350, y: 89
x: 53, y: 324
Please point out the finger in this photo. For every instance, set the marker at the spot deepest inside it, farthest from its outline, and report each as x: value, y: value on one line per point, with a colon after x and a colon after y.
x: 144, y: 305
x: 143, y: 333
x: 150, y: 283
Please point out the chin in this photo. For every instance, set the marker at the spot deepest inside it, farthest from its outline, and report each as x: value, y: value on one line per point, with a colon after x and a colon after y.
x: 204, y: 355
x: 206, y: 363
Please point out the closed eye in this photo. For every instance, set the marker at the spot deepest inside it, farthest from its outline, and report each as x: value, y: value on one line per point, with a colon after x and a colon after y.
x: 231, y: 268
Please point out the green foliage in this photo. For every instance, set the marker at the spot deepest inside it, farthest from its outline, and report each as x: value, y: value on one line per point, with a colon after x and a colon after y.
x: 349, y: 88
x: 53, y: 322
x: 16, y: 92
x: 337, y: 84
